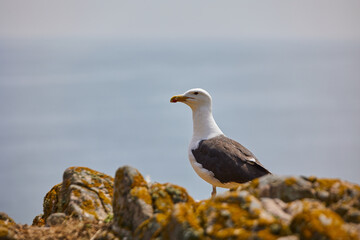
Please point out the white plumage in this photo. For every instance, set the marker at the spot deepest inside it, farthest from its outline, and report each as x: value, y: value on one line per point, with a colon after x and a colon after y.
x: 220, y: 161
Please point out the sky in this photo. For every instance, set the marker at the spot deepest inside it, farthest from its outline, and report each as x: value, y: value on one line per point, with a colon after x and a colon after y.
x: 199, y: 19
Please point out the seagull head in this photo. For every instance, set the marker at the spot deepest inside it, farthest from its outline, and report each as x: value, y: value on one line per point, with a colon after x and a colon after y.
x: 195, y: 98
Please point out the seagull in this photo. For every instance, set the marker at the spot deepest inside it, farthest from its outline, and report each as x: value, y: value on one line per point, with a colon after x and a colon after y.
x: 217, y: 159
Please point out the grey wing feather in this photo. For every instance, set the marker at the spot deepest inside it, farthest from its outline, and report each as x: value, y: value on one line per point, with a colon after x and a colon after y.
x: 228, y: 160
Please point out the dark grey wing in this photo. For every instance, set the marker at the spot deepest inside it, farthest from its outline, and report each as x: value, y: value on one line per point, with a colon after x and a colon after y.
x: 249, y: 156
x: 228, y: 160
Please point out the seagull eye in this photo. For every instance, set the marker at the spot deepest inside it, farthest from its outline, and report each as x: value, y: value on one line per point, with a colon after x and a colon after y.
x: 196, y: 93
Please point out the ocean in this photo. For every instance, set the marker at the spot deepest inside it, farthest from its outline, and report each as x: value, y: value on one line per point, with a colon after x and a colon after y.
x: 103, y: 104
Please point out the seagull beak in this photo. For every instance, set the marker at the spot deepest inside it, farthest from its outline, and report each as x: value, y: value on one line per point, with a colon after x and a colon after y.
x: 179, y: 98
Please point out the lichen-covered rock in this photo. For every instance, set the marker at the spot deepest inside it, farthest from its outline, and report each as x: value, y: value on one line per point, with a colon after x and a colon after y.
x: 238, y: 215
x: 316, y: 224
x: 4, y: 218
x: 271, y: 207
x: 340, y: 196
x: 55, y: 219
x: 51, y: 202
x: 183, y: 223
x: 132, y: 202
x: 276, y: 207
x: 39, y: 221
x: 142, y: 210
x: 6, y: 227
x: 285, y: 188
x: 84, y: 193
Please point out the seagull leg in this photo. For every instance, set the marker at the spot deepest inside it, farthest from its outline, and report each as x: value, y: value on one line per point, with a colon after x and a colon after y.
x: 213, y: 193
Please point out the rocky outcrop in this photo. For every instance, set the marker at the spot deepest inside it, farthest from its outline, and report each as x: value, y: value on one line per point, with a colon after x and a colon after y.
x: 144, y: 211
x: 339, y: 196
x: 271, y: 207
x: 6, y: 227
x: 84, y: 194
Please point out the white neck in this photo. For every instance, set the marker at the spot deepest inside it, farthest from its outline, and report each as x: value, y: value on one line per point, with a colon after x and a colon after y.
x: 204, y: 125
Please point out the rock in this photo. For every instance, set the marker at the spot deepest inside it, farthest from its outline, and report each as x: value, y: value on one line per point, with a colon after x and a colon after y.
x: 6, y: 227
x: 84, y: 193
x: 39, y: 221
x: 238, y: 215
x: 320, y: 224
x: 299, y: 206
x: 52, y: 202
x: 166, y: 211
x: 5, y: 219
x: 6, y: 233
x: 142, y: 210
x: 285, y: 188
x: 183, y: 224
x: 271, y: 207
x: 290, y: 237
x: 55, y: 219
x: 132, y: 201
x: 276, y: 207
x: 164, y: 198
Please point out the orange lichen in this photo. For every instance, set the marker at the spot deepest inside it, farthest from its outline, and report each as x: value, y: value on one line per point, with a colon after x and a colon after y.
x: 38, y: 221
x: 178, y: 194
x: 76, y: 192
x: 312, y: 178
x: 237, y: 215
x: 109, y: 186
x: 104, y: 198
x: 266, y: 234
x: 184, y: 213
x: 249, y: 186
x: 327, y: 184
x: 337, y: 190
x: 255, y: 183
x: 51, y: 200
x: 138, y: 180
x: 89, y: 207
x: 141, y: 193
x: 6, y: 223
x: 320, y: 223
x: 290, y: 181
x: 96, y: 182
x: 165, y: 199
x: 162, y: 201
x: 4, y: 231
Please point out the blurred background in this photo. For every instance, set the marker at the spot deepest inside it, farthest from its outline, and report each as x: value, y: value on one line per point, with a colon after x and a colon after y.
x: 88, y: 83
